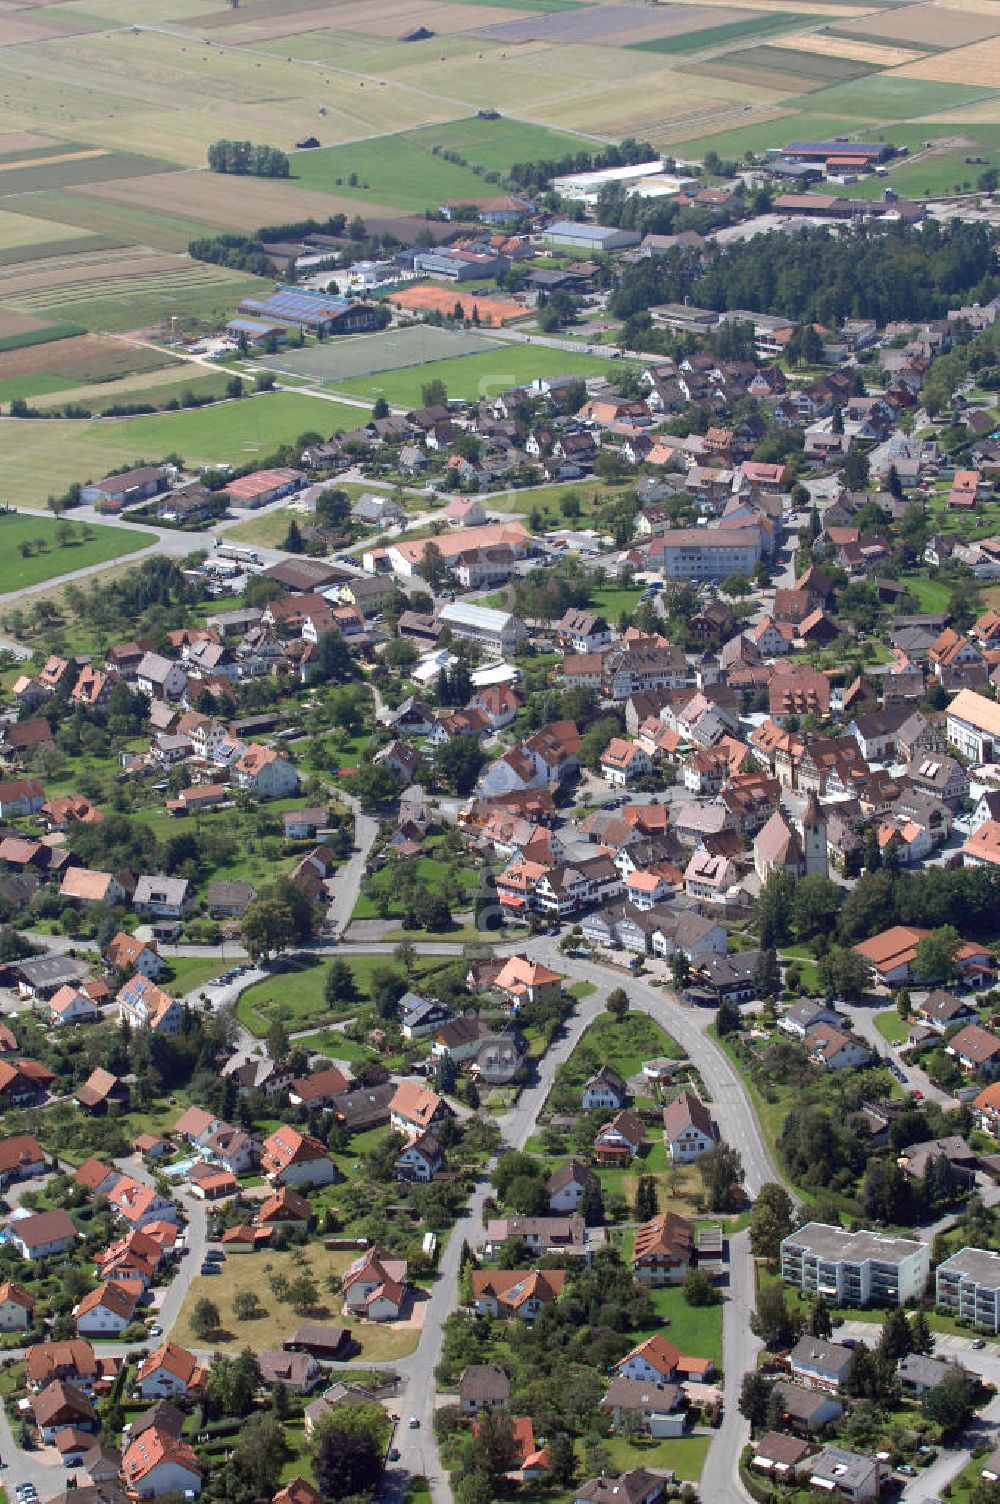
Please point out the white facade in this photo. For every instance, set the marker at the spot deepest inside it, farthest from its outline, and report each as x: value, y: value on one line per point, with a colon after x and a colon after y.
x: 858, y: 1269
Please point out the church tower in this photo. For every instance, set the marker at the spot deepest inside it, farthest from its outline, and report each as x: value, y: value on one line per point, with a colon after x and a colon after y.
x: 814, y: 839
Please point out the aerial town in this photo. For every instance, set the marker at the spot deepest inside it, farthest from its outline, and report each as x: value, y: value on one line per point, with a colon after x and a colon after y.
x: 500, y: 741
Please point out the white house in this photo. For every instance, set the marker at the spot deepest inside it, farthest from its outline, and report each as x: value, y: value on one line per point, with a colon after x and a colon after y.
x: 106, y: 1311
x: 265, y: 773
x: 687, y: 1129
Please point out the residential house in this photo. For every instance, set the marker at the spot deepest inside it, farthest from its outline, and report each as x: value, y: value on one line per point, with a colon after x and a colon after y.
x: 688, y: 1132
x: 663, y: 1250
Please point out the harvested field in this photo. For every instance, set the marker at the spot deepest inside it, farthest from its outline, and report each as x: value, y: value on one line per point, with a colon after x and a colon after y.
x: 194, y: 298
x: 84, y: 358
x: 398, y: 349
x: 488, y: 310
x: 12, y: 323
x: 11, y: 141
x: 16, y: 30
x: 667, y: 106
x: 393, y: 18
x: 613, y: 25
x: 84, y: 153
x: 44, y: 250
x: 69, y: 271
x: 151, y: 388
x: 73, y: 168
x: 931, y: 25
x: 779, y: 68
x: 825, y: 44
x: 228, y: 203
x: 978, y: 64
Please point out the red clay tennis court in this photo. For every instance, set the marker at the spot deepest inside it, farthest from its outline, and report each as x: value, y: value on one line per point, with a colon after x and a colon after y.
x: 428, y: 296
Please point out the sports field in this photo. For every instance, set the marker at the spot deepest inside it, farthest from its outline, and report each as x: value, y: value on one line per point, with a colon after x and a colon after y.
x: 35, y: 549
x: 471, y: 376
x: 42, y: 456
x: 367, y: 354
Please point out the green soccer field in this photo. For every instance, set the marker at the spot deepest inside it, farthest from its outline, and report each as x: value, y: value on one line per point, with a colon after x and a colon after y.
x: 473, y: 376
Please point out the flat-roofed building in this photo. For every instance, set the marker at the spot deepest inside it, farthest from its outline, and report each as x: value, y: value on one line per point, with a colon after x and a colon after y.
x: 498, y: 632
x: 973, y: 726
x: 968, y: 1285
x: 698, y: 553
x: 855, y: 1268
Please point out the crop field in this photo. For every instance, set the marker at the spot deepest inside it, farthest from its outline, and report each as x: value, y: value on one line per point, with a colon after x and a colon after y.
x: 152, y: 388
x: 366, y: 355
x: 930, y: 25
x: 976, y: 64
x: 20, y: 231
x: 128, y: 224
x: 787, y: 61
x: 825, y: 44
x: 471, y: 376
x: 719, y: 34
x: 80, y: 359
x: 613, y: 25
x: 42, y: 456
x: 895, y: 96
x: 392, y: 170
x: 45, y: 557
x: 72, y: 168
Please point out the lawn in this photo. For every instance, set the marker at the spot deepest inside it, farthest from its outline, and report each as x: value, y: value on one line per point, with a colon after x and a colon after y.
x: 547, y: 501
x: 252, y: 1272
x: 31, y: 550
x: 613, y: 602
x: 186, y: 974
x: 684, y: 1455
x: 930, y: 595
x: 472, y: 376
x: 39, y: 457
x: 696, y: 1330
x: 434, y: 875
x: 623, y: 1044
x: 295, y: 993
x: 891, y: 1026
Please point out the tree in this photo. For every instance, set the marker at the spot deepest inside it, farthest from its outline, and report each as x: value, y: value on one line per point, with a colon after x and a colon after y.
x: 921, y: 1336
x: 755, y: 1393
x: 278, y: 1042
x: 562, y: 1460
x: 699, y: 1289
x: 303, y: 1293
x: 434, y: 393
x: 617, y: 1002
x: 728, y: 1018
x: 592, y: 1205
x: 259, y: 1453
x: 232, y: 1384
x: 268, y: 925
x: 340, y: 986
x: 486, y: 911
x: 346, y: 1463
x: 820, y: 1320
x: 246, y: 1305
x: 205, y: 1318
x: 935, y: 957
x: 646, y: 1200
x: 843, y: 972
x: 680, y: 970
x: 773, y: 1322
x: 293, y: 543
x: 949, y: 1404
x: 856, y: 470
x: 774, y: 910
x: 815, y: 906
x: 895, y: 1340
x: 721, y: 1171
x: 767, y: 973
x: 493, y: 1449
x: 771, y: 1220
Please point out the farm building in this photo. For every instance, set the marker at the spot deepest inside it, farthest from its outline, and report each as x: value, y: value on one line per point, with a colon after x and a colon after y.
x: 311, y: 311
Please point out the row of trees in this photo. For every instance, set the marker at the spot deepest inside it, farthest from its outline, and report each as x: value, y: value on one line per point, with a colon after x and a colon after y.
x: 246, y: 159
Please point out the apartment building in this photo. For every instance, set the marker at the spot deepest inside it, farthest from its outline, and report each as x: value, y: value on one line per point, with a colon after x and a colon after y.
x: 707, y: 553
x: 855, y: 1268
x: 497, y: 632
x: 968, y: 1285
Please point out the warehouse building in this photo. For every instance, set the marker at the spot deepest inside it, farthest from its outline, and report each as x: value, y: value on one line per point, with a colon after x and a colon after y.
x: 581, y: 237
x: 313, y: 312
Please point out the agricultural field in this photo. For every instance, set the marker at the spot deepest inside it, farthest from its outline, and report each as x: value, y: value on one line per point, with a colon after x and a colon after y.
x: 471, y: 376
x: 38, y: 458
x: 35, y: 549
x: 719, y: 33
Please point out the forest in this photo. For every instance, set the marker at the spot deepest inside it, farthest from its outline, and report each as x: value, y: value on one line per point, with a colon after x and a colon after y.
x: 876, y: 271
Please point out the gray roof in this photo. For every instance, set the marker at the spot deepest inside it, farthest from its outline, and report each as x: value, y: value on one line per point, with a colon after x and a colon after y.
x: 837, y: 1243
x: 979, y: 1265
x: 160, y: 889
x: 926, y: 1372
x: 51, y: 971
x: 845, y: 1471
x: 828, y: 1358
x: 484, y: 1382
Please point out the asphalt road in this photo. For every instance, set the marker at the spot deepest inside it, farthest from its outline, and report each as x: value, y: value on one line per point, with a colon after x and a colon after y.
x: 863, y: 1019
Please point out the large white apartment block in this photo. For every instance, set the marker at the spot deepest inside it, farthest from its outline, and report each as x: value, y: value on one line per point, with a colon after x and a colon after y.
x: 968, y: 1285
x: 498, y: 632
x: 973, y: 726
x: 855, y: 1268
x: 709, y: 553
